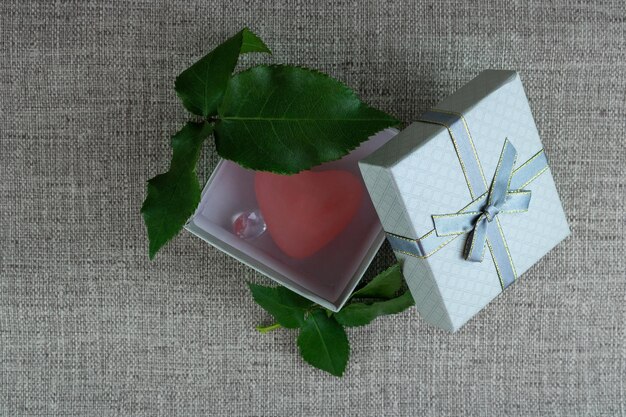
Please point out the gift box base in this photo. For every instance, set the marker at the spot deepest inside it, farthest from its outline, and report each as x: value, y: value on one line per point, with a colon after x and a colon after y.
x: 329, y: 276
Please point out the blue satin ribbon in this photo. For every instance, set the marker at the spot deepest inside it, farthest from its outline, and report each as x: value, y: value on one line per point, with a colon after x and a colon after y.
x: 500, y: 199
x: 480, y: 217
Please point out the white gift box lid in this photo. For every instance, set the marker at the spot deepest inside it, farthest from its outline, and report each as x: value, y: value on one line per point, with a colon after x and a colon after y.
x: 420, y: 173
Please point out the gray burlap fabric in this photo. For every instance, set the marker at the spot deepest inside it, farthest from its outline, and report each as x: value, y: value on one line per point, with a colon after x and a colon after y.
x: 90, y: 327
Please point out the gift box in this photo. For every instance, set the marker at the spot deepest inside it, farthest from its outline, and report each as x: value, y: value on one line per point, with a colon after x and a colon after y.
x: 329, y: 275
x: 466, y: 198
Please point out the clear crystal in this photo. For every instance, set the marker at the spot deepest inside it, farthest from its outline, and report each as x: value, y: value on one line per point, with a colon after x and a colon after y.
x: 249, y: 224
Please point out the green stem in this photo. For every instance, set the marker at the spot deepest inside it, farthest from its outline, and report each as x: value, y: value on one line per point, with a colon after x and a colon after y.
x: 266, y: 329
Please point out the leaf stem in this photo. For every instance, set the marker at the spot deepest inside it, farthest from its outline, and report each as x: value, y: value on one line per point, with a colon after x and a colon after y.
x: 267, y: 329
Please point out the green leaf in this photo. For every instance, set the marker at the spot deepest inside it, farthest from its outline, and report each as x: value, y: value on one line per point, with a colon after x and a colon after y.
x: 201, y: 86
x: 173, y: 196
x: 286, y: 119
x: 324, y: 344
x: 252, y: 43
x: 359, y: 314
x: 384, y: 285
x: 287, y: 307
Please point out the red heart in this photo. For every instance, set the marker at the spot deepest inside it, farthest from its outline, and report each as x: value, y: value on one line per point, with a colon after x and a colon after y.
x: 304, y: 212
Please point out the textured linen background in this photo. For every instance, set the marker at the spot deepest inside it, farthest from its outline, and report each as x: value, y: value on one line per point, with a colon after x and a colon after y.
x: 90, y: 327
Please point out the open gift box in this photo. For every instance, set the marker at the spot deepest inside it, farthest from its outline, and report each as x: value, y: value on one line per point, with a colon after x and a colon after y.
x: 465, y: 196
x: 329, y: 275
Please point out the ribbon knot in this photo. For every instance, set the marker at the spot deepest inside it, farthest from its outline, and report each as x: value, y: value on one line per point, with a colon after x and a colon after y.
x: 499, y: 200
x: 491, y: 212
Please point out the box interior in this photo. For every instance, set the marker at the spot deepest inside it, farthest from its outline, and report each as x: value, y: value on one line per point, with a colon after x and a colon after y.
x: 327, y: 273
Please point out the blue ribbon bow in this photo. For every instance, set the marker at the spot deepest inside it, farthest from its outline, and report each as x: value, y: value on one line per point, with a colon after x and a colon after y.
x: 500, y: 199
